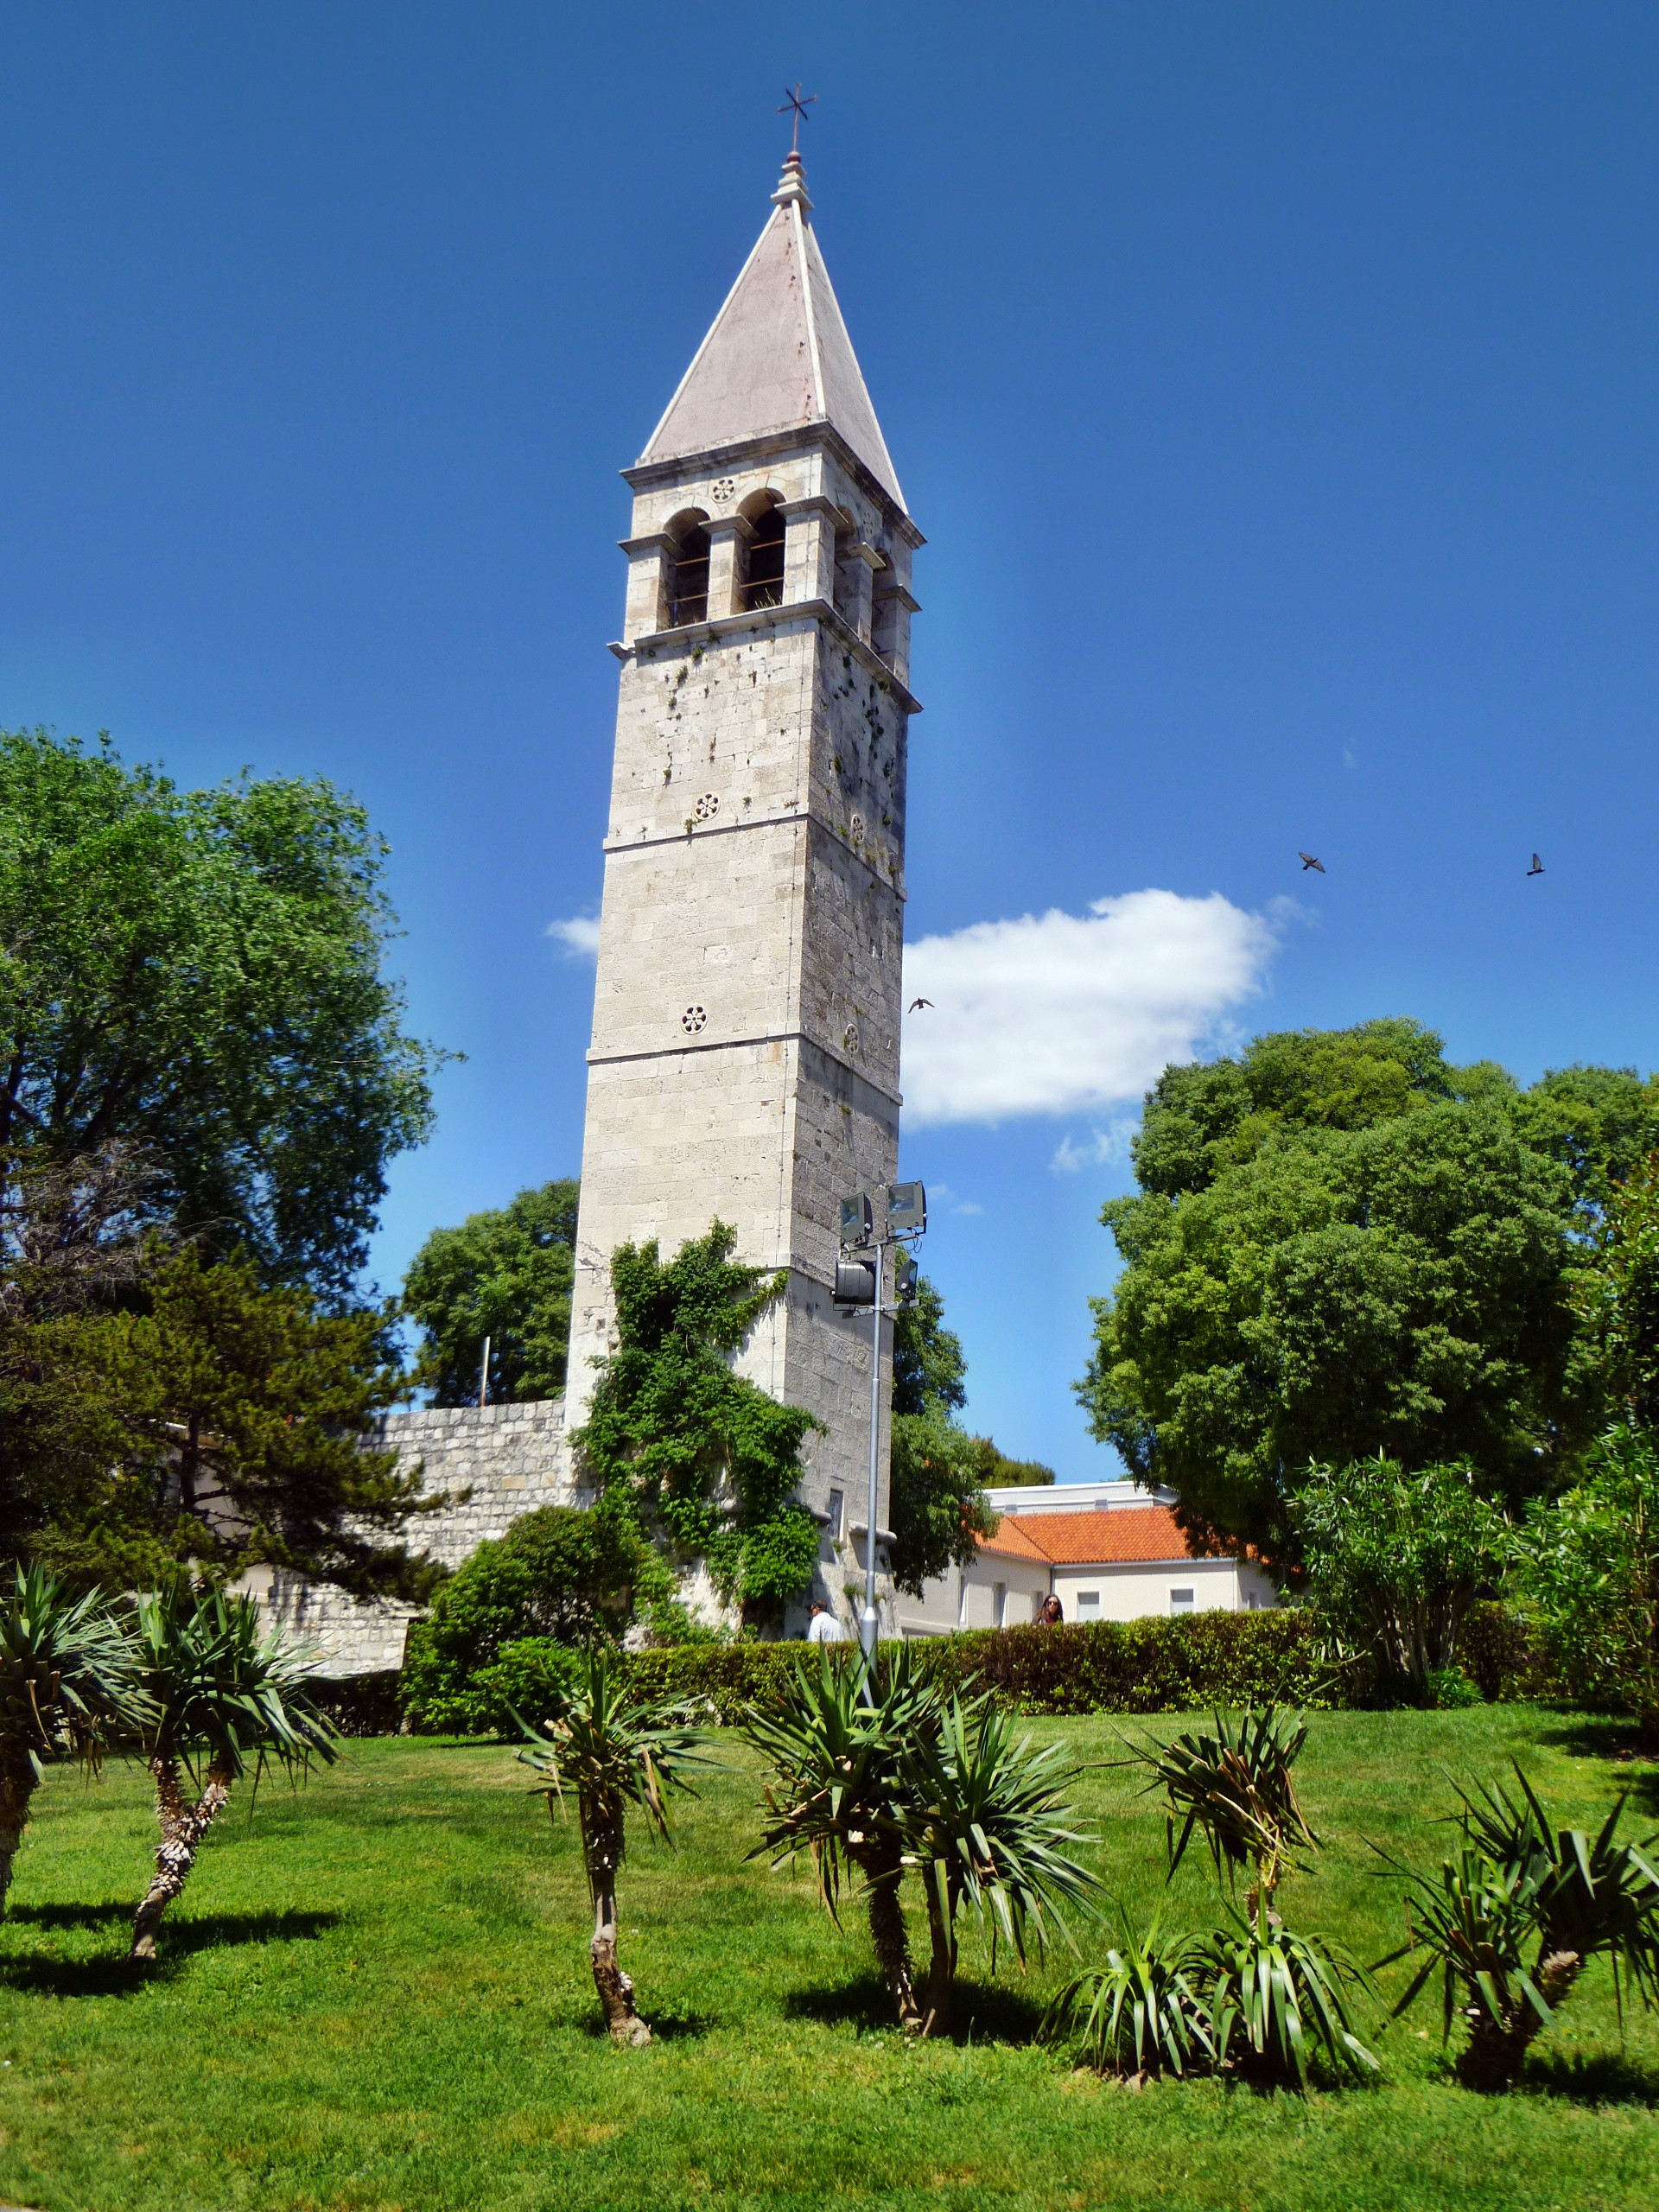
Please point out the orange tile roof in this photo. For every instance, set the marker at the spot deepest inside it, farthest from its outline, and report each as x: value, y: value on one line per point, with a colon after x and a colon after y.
x: 1105, y: 1537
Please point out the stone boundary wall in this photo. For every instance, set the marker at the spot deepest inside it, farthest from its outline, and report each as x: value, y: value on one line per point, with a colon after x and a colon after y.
x: 511, y: 1458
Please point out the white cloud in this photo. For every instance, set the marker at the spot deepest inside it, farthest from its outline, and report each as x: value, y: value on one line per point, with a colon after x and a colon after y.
x: 1060, y: 1014
x: 1102, y: 1147
x: 579, y: 936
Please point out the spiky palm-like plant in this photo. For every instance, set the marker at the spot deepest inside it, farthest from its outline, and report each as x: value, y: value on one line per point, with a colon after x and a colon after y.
x: 1277, y: 1998
x: 1235, y: 1782
x: 1512, y: 1921
x: 1143, y: 2012
x: 611, y: 1751
x: 221, y: 1695
x: 67, y: 1678
x: 837, y: 1755
x: 984, y: 1813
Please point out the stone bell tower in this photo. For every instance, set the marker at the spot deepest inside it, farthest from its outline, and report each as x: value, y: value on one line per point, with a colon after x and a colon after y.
x: 745, y: 1057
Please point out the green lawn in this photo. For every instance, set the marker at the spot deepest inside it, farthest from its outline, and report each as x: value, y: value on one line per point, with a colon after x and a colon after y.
x: 377, y: 1996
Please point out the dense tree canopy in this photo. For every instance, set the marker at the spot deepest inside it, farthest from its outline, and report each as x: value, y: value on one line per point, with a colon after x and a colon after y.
x: 197, y: 975
x: 1345, y: 1245
x: 506, y: 1275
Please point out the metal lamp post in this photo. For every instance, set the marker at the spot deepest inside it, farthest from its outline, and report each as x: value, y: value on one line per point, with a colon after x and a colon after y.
x: 858, y: 1282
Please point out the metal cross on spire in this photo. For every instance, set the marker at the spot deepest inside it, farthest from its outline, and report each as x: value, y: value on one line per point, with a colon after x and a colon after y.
x: 793, y: 100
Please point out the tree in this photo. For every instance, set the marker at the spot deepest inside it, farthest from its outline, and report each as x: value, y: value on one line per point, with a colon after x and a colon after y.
x: 700, y: 1459
x: 611, y: 1751
x: 937, y: 1504
x: 1403, y: 1286
x: 197, y: 976
x: 1590, y: 1559
x: 66, y: 1682
x: 219, y: 1695
x: 1396, y: 1560
x: 506, y: 1276
x: 1619, y: 1296
x: 937, y: 1501
x: 567, y: 1572
x: 238, y: 1420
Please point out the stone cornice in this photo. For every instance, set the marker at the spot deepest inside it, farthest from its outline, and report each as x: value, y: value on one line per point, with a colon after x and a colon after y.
x: 738, y: 1044
x: 650, y: 642
x: 647, y: 475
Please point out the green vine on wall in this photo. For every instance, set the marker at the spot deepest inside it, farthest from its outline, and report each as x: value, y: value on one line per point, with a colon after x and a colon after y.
x: 701, y: 1460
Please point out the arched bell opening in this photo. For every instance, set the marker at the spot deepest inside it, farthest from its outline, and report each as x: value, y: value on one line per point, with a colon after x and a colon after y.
x: 688, y: 565
x: 763, y: 582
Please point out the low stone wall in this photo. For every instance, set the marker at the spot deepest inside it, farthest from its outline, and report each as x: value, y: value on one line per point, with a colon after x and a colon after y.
x: 511, y: 1459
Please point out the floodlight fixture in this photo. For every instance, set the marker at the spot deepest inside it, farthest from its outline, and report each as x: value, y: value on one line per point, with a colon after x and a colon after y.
x: 907, y: 1209
x: 906, y: 1276
x: 854, y: 1283
x: 857, y: 1222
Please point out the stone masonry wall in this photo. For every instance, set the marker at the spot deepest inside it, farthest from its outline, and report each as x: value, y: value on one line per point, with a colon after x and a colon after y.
x: 511, y: 1458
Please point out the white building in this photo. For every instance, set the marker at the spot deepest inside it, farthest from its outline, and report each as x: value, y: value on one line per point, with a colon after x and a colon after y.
x: 1109, y: 1551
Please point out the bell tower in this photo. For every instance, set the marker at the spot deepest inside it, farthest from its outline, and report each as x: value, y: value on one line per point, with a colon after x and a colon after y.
x: 744, y: 1063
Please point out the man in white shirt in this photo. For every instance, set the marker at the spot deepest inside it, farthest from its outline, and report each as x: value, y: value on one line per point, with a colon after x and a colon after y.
x: 823, y: 1627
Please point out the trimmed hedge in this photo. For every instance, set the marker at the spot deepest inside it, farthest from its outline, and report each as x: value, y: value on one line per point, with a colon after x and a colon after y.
x: 1145, y: 1666
x: 1154, y: 1665
x: 361, y: 1705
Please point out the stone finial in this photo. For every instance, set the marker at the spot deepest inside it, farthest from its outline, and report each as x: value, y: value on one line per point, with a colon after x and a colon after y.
x: 792, y: 185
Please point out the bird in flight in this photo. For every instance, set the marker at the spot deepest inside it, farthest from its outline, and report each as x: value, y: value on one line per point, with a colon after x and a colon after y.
x: 1308, y: 862
x: 1537, y: 868
x: 917, y: 1004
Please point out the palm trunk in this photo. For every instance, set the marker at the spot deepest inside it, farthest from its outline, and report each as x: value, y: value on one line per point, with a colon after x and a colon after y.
x: 878, y: 1860
x: 940, y: 2001
x: 1497, y: 2050
x: 602, y: 1836
x: 16, y: 1788
x: 183, y: 1827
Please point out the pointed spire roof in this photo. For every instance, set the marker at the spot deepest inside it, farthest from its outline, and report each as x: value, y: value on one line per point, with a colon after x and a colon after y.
x: 777, y: 356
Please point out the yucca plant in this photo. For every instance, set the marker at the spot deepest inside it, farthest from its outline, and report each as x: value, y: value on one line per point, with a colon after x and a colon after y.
x: 221, y: 1695
x: 1235, y: 1783
x: 837, y: 1755
x: 1513, y: 1920
x: 1277, y: 1998
x: 1142, y: 2014
x: 67, y: 1680
x: 983, y: 1812
x: 611, y: 1751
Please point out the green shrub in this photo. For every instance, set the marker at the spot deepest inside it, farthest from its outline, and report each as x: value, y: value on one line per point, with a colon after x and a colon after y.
x: 561, y: 1572
x: 532, y: 1677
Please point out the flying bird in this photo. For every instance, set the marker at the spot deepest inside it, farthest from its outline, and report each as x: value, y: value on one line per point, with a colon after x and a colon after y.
x: 917, y: 1004
x: 1537, y: 868
x: 1308, y: 862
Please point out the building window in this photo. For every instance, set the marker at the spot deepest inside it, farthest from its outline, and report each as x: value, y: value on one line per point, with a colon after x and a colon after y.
x: 764, y: 583
x: 1088, y: 1603
x: 837, y: 1510
x: 1000, y: 1604
x: 1181, y: 1601
x: 688, y: 582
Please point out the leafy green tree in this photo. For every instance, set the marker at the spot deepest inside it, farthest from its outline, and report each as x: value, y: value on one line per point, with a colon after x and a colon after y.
x: 564, y: 1573
x: 1590, y: 1559
x: 1365, y: 1253
x: 219, y: 1695
x: 238, y: 1421
x: 508, y: 1276
x: 198, y: 974
x: 929, y: 1374
x: 1619, y: 1296
x: 702, y: 1460
x: 1396, y: 1561
x: 937, y: 1504
x: 68, y: 1675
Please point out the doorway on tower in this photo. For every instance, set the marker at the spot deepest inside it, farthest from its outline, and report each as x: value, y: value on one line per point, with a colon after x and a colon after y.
x: 763, y: 572
x: 688, y: 583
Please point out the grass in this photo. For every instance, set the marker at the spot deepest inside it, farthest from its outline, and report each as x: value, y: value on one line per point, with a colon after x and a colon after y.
x: 375, y: 1997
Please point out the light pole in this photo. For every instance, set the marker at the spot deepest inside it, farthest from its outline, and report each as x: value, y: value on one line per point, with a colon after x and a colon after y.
x: 858, y: 1282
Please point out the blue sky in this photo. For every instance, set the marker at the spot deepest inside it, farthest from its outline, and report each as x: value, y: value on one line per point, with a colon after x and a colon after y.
x: 1275, y: 387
